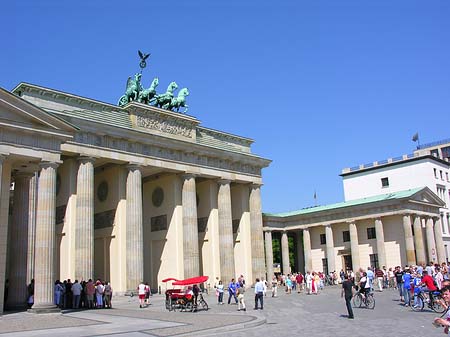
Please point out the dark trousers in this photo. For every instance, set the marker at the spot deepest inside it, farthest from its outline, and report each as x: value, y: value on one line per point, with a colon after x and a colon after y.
x: 260, y: 297
x: 230, y: 294
x: 348, y: 303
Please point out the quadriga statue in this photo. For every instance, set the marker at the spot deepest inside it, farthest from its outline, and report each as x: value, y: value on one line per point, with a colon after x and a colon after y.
x: 162, y: 100
x: 147, y: 94
x: 179, y: 101
x: 132, y: 91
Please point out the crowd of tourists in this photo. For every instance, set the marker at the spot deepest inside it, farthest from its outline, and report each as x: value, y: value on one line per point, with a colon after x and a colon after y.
x: 84, y: 294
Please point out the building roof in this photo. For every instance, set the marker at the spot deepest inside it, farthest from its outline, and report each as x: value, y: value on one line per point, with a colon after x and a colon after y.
x: 350, y: 203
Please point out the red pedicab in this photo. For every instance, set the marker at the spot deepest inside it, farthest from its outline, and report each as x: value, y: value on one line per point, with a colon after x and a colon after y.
x: 176, y: 298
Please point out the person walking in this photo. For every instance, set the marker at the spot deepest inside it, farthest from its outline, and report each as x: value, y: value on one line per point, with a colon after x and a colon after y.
x: 240, y: 296
x: 232, y: 287
x: 219, y: 288
x: 141, y: 293
x: 347, y: 293
x: 259, y: 294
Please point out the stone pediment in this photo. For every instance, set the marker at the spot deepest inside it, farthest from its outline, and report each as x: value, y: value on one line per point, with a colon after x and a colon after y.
x: 427, y: 196
x: 21, y: 115
x: 162, y: 122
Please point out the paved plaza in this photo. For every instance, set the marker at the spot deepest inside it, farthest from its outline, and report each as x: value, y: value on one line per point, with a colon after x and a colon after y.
x: 286, y: 315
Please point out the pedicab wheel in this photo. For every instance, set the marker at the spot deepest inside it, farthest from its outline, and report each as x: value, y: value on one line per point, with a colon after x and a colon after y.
x: 370, y: 302
x: 173, y: 305
x: 419, y: 304
x: 437, y: 306
x: 189, y: 306
x: 357, y: 301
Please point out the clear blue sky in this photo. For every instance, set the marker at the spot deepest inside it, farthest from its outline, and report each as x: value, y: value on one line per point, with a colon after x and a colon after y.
x: 319, y: 85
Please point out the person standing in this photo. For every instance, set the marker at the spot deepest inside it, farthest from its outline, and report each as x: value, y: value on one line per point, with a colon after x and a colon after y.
x: 240, y: 296
x: 141, y: 294
x: 90, y: 291
x: 219, y: 288
x: 76, y: 294
x: 108, y: 295
x: 232, y: 287
x: 147, y: 294
x: 274, y: 286
x: 259, y: 294
x: 347, y: 293
x: 406, y: 278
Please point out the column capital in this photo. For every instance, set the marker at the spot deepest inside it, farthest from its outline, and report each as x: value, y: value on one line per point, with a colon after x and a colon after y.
x: 134, y: 166
x: 3, y: 157
x: 47, y: 164
x: 86, y: 159
x: 188, y: 175
x: 352, y: 221
x: 255, y: 185
x: 223, y: 181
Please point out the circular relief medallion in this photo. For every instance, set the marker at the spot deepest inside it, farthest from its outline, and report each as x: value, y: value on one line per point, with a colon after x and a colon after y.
x: 102, y: 191
x: 58, y: 183
x: 157, y: 197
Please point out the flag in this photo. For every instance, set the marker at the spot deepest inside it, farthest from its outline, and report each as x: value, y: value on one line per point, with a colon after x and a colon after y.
x: 415, y: 138
x: 315, y: 195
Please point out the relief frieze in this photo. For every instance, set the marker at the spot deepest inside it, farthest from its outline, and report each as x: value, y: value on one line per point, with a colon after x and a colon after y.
x: 170, y: 127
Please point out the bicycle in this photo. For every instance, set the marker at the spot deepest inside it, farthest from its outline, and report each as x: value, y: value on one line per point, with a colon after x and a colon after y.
x: 418, y: 301
x: 359, y: 300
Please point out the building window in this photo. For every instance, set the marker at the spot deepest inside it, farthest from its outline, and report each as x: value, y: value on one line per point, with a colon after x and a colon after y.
x: 441, y: 174
x: 374, y: 260
x: 346, y: 236
x: 323, y: 239
x: 385, y: 182
x: 435, y: 173
x: 371, y: 233
x: 446, y: 175
x: 325, y: 266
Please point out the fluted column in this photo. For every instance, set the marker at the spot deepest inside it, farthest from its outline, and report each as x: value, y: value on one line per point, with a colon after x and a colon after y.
x: 44, y: 275
x: 418, y: 241
x: 17, y: 296
x: 256, y: 226
x: 5, y: 178
x: 32, y: 225
x: 409, y: 240
x: 381, y: 249
x: 269, y: 255
x: 286, y: 268
x: 307, y: 247
x: 84, y: 226
x: 134, y: 231
x: 300, y: 252
x: 225, y: 232
x: 330, y: 249
x: 190, y: 227
x: 440, y: 249
x: 431, y: 243
x: 354, y: 246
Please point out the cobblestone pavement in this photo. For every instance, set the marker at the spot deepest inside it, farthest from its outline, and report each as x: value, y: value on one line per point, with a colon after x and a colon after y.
x: 285, y: 315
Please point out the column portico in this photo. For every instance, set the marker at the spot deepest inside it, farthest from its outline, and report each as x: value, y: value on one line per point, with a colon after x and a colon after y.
x: 226, y: 251
x: 307, y: 247
x: 5, y: 177
x: 17, y: 296
x: 31, y: 226
x: 431, y: 243
x: 134, y: 230
x: 409, y: 240
x: 440, y: 248
x: 354, y: 246
x: 381, y: 249
x: 84, y: 225
x: 286, y: 268
x: 418, y: 240
x: 330, y: 249
x: 256, y: 225
x: 190, y: 227
x: 269, y: 255
x: 45, y: 239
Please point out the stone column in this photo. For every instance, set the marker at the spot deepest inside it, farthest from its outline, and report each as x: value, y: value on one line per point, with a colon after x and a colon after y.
x: 381, y: 249
x: 269, y: 255
x: 134, y: 231
x: 190, y: 227
x: 418, y: 240
x: 256, y: 226
x: 84, y: 226
x: 5, y: 179
x: 225, y: 232
x: 44, y: 276
x: 431, y: 243
x: 354, y: 246
x: 17, y: 295
x: 330, y: 249
x: 409, y: 240
x: 440, y: 248
x: 286, y: 268
x: 32, y: 226
x: 307, y: 247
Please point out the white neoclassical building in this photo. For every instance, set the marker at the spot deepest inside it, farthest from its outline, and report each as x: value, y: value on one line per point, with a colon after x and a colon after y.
x: 397, y: 228
x: 125, y: 194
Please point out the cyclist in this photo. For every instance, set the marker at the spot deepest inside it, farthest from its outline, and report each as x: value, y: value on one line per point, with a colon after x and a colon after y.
x: 364, y: 285
x: 428, y: 282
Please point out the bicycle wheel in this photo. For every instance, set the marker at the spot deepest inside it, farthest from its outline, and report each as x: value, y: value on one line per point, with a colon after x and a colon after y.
x: 417, y: 303
x: 357, y: 301
x: 370, y: 302
x: 437, y: 306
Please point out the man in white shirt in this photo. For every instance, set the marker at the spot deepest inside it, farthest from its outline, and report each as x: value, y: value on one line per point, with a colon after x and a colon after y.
x: 141, y: 293
x: 76, y: 293
x: 259, y: 294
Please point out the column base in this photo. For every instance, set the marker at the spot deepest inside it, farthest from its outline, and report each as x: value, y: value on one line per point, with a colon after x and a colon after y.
x: 44, y: 309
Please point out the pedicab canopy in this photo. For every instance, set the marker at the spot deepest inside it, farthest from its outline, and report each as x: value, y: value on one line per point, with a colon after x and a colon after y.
x: 186, y: 282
